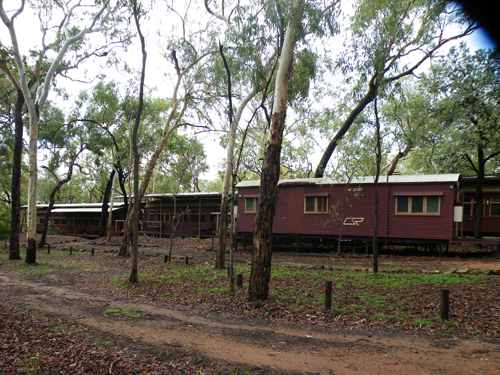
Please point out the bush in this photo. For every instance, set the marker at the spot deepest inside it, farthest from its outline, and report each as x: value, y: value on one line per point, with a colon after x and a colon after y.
x: 4, y: 221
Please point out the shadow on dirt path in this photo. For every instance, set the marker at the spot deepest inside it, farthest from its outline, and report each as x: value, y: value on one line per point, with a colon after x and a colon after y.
x: 252, y: 346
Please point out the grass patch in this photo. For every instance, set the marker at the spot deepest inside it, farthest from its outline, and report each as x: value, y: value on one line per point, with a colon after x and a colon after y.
x: 123, y: 312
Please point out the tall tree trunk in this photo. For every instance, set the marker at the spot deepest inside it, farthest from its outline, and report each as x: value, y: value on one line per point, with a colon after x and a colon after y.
x: 376, y: 216
x: 263, y: 227
x: 15, y: 214
x: 32, y: 187
x: 137, y: 199
x: 167, y: 132
x: 110, y: 214
x: 478, y: 224
x: 220, y: 257
x: 105, y: 202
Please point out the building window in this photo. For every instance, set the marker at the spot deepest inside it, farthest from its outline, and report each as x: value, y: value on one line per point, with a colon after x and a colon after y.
x: 418, y: 205
x: 471, y: 206
x: 316, y: 205
x: 495, y: 207
x: 251, y: 205
x: 152, y: 215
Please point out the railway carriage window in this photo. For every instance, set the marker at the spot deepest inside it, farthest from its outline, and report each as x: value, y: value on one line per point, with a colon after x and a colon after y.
x: 418, y: 205
x: 432, y: 205
x: 495, y: 207
x: 251, y: 205
x: 402, y: 204
x: 166, y: 217
x: 467, y: 208
x: 152, y: 215
x: 194, y: 216
x: 95, y: 222
x: 315, y: 205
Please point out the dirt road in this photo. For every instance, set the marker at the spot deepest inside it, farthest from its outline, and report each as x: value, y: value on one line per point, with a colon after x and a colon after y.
x: 251, y: 347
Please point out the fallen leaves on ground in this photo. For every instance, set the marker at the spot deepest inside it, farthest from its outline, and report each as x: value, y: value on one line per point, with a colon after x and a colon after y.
x: 34, y: 344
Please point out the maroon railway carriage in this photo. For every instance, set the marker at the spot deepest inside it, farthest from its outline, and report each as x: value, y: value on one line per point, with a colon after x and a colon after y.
x: 80, y: 219
x: 418, y: 209
x: 185, y: 214
x: 491, y: 205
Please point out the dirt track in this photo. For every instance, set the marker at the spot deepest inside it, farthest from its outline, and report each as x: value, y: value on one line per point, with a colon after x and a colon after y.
x: 250, y: 347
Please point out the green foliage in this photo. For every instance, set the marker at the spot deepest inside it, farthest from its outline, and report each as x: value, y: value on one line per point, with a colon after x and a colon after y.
x: 4, y: 220
x: 463, y: 105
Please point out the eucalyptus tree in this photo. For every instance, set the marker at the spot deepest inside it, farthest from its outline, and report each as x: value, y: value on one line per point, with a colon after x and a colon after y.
x: 8, y: 187
x: 464, y: 92
x: 297, y: 27
x: 60, y: 39
x: 15, y: 110
x: 389, y: 40
x: 185, y: 53
x: 249, y: 67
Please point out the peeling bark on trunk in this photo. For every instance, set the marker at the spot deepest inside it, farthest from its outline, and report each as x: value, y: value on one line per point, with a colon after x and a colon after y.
x: 15, y: 214
x: 32, y: 188
x: 263, y: 228
x: 260, y: 275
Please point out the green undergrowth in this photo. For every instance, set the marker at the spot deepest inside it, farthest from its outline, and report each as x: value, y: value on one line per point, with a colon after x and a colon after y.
x: 404, y: 301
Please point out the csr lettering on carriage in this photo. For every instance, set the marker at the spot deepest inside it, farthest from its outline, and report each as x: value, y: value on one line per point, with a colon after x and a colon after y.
x: 353, y: 220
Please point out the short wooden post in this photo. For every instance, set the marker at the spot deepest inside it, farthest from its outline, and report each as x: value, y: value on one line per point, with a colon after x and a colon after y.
x: 187, y: 260
x: 71, y: 250
x: 445, y: 304
x: 239, y: 280
x: 92, y: 251
x: 48, y: 248
x: 328, y: 294
x: 165, y: 259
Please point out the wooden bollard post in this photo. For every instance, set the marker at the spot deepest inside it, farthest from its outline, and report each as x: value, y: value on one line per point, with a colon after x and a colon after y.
x: 48, y: 248
x: 92, y: 251
x: 71, y: 250
x: 187, y: 260
x: 328, y: 294
x: 239, y: 280
x: 445, y: 304
x: 165, y: 259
